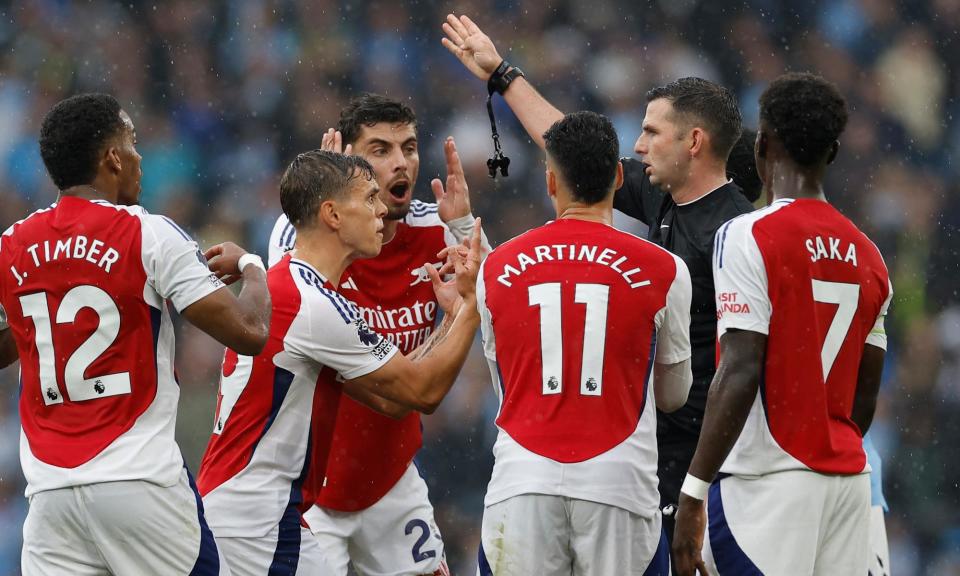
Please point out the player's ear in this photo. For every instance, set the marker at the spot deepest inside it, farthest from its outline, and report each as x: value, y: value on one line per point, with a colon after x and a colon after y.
x: 329, y: 215
x: 834, y: 149
x: 551, y: 183
x: 111, y: 159
x: 619, y: 179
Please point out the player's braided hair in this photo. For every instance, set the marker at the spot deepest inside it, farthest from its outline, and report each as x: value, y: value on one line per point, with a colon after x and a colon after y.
x: 314, y: 177
x: 699, y: 102
x: 368, y: 109
x: 807, y: 114
x: 74, y: 134
x: 585, y: 149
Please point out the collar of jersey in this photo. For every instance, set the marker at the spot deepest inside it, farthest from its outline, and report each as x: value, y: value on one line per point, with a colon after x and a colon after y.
x: 729, y: 181
x: 305, y: 264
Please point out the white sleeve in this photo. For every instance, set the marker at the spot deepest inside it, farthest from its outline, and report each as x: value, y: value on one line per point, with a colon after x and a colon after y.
x: 460, y: 229
x: 673, y: 321
x: 174, y: 264
x: 486, y: 320
x: 878, y: 336
x: 3, y: 318
x: 330, y: 331
x: 282, y: 239
x: 740, y: 279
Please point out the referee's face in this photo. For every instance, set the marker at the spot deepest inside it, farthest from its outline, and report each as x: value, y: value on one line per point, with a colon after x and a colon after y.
x: 661, y: 144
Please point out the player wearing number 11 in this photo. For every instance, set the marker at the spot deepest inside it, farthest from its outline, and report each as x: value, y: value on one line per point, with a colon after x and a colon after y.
x: 801, y: 296
x: 578, y: 318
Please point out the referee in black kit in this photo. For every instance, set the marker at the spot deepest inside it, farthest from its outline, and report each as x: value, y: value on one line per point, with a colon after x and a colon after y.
x: 680, y: 191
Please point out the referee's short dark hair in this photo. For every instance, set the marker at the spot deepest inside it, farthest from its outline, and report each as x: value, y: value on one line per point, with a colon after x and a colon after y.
x: 315, y: 177
x: 73, y: 135
x: 586, y: 151
x: 368, y: 109
x: 704, y: 103
x: 806, y: 113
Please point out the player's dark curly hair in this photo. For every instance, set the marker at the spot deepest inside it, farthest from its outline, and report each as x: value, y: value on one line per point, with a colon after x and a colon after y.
x: 807, y: 114
x: 368, y: 109
x: 74, y: 134
x: 742, y: 166
x: 585, y: 149
x: 704, y: 103
x: 315, y: 177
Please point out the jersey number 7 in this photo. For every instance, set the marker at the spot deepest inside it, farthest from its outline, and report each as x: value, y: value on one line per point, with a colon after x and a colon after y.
x: 846, y: 297
x: 595, y: 297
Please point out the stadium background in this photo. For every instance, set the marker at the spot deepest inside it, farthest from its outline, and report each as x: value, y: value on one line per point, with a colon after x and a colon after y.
x: 225, y: 93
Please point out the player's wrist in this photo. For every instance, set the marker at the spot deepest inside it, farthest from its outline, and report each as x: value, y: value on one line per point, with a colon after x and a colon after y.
x: 695, y: 487
x: 250, y: 260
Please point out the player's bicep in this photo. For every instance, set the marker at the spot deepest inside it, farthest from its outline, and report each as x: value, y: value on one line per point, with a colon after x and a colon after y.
x: 175, y: 265
x: 740, y: 280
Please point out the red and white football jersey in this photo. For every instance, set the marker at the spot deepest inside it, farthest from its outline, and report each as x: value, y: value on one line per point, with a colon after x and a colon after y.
x: 370, y: 451
x: 276, y: 411
x: 804, y: 275
x: 573, y: 316
x: 83, y: 288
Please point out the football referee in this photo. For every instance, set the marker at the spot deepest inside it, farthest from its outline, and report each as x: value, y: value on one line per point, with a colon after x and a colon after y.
x: 680, y: 190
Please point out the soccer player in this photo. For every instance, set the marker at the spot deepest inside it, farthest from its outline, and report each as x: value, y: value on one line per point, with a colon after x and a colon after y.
x: 277, y: 411
x: 84, y: 293
x: 801, y: 296
x: 577, y: 319
x: 680, y: 190
x: 374, y: 510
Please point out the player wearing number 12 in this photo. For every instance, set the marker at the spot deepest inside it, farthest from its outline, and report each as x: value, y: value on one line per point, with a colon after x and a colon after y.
x: 577, y: 319
x: 801, y: 297
x: 84, y: 289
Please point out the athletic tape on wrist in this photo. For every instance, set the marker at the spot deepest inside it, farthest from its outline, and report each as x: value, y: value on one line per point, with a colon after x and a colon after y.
x: 695, y: 487
x: 248, y: 259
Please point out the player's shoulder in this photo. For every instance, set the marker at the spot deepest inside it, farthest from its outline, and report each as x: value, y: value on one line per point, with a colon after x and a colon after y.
x: 518, y: 242
x: 744, y: 223
x: 423, y: 214
x: 29, y: 218
x: 322, y: 303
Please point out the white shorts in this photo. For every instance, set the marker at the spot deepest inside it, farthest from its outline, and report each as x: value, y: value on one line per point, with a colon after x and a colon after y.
x: 397, y: 536
x: 287, y: 549
x: 129, y: 527
x: 880, y: 550
x: 559, y: 536
x: 788, y: 523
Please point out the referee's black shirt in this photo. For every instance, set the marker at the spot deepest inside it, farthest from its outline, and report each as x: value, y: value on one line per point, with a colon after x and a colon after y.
x: 688, y: 232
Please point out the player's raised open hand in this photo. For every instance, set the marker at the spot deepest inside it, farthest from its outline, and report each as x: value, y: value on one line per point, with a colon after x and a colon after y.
x: 224, y: 261
x: 688, y: 537
x: 453, y: 201
x: 471, y: 46
x: 332, y: 141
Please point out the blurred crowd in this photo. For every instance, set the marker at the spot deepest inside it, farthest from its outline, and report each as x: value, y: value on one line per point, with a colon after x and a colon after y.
x: 225, y: 93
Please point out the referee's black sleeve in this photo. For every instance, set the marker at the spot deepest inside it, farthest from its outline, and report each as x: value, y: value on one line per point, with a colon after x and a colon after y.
x: 637, y: 198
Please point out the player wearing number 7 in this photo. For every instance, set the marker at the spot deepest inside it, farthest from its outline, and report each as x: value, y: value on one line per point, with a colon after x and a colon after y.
x: 578, y: 319
x: 801, y: 296
x: 84, y: 289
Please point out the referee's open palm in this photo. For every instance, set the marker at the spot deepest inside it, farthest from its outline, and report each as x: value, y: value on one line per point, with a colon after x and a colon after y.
x: 471, y: 46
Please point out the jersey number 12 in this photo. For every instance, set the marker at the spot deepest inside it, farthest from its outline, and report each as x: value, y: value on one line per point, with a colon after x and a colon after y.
x: 79, y: 388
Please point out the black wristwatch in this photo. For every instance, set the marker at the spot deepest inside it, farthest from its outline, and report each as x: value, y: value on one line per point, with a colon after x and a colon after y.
x: 502, y: 77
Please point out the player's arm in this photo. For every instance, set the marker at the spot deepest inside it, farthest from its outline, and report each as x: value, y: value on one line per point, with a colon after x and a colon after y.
x: 871, y: 369
x: 8, y: 348
x: 672, y: 373
x: 739, y: 276
x: 421, y: 380
x: 476, y: 51
x: 242, y: 322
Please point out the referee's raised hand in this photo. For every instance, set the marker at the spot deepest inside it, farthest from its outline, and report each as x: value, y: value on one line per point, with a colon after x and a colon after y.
x: 471, y: 46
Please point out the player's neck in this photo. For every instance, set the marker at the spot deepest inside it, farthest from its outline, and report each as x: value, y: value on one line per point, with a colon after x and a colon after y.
x: 698, y: 185
x: 788, y: 181
x: 389, y: 229
x: 601, y: 212
x: 325, y: 253
x: 90, y: 192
